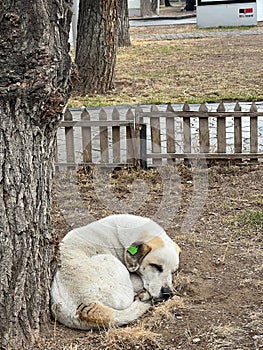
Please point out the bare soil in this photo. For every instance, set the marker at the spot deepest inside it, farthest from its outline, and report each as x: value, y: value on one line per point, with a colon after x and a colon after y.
x: 218, y: 302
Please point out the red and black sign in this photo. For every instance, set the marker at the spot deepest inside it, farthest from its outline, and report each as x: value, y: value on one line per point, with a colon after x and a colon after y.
x: 245, y: 11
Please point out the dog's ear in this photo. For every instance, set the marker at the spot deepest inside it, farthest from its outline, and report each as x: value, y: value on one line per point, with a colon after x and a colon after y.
x: 134, y: 255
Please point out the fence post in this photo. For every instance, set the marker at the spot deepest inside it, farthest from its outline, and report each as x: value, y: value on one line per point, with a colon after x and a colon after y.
x: 143, y: 146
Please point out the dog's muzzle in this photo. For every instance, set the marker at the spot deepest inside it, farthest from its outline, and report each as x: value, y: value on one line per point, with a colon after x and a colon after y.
x: 166, y: 293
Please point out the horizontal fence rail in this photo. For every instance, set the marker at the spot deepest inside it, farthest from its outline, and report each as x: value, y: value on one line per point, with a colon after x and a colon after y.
x: 157, y: 137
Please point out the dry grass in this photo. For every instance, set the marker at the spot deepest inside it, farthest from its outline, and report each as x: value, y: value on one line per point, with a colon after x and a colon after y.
x: 130, y: 338
x: 143, y: 334
x: 167, y: 308
x: 192, y: 70
x: 225, y: 331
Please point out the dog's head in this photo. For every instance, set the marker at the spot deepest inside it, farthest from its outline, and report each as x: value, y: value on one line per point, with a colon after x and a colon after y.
x: 155, y: 262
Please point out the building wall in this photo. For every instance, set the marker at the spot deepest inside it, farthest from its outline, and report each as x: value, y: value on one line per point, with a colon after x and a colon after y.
x: 260, y: 10
x: 134, y: 7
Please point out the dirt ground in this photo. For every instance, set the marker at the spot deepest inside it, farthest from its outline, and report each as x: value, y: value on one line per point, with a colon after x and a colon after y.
x: 218, y: 302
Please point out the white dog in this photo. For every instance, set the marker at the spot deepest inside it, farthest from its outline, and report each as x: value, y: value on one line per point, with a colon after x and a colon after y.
x: 111, y: 270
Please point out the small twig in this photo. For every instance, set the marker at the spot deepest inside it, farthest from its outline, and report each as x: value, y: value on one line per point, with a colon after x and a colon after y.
x: 222, y: 260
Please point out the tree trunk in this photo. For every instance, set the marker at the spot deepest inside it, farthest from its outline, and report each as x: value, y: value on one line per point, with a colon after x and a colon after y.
x: 154, y: 6
x: 124, y: 26
x: 96, y: 46
x: 146, y: 8
x: 34, y: 74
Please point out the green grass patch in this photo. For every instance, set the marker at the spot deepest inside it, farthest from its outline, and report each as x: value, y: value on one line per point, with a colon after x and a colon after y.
x: 251, y: 221
x: 144, y: 51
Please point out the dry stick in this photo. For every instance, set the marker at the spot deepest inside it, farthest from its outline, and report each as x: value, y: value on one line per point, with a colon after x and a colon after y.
x: 222, y: 260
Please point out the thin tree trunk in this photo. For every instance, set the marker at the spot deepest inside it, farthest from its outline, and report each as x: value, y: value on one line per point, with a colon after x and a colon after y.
x: 97, y: 42
x: 123, y: 35
x: 154, y: 6
x: 34, y: 74
x: 146, y: 8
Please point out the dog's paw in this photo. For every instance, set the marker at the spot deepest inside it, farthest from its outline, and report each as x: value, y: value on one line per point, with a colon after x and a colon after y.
x: 143, y: 295
x: 94, y: 313
x: 83, y: 311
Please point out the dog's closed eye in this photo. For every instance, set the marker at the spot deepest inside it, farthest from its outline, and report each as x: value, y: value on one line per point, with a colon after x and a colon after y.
x: 157, y: 267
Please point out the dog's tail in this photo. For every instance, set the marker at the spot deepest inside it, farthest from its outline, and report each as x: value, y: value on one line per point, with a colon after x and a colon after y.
x: 97, y: 315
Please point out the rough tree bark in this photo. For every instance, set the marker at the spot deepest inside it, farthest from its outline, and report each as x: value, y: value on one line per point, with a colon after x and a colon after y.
x: 146, y: 8
x: 96, y: 50
x: 124, y: 26
x: 154, y: 6
x: 34, y: 74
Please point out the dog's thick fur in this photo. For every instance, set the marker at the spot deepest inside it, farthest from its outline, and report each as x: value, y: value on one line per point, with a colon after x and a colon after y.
x: 101, y: 282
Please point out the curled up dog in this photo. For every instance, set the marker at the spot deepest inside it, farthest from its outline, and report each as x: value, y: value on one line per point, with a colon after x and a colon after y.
x: 111, y: 270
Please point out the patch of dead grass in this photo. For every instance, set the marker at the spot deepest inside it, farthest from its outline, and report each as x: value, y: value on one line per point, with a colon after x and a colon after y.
x: 130, y: 338
x: 185, y: 70
x: 225, y: 331
x: 165, y: 311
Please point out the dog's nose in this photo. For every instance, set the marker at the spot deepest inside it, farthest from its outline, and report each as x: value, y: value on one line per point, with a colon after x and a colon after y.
x: 167, y: 293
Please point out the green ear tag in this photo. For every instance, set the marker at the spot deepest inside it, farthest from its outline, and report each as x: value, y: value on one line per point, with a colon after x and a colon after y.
x: 133, y: 250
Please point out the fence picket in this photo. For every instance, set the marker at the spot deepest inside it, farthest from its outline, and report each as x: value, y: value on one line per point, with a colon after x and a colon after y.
x: 139, y: 139
x: 69, y: 138
x: 203, y: 130
x: 155, y: 134
x: 104, y: 148
x: 237, y: 131
x: 221, y: 130
x: 129, y: 137
x: 187, y: 130
x: 116, y: 137
x: 86, y: 138
x: 170, y: 134
x: 254, y: 131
